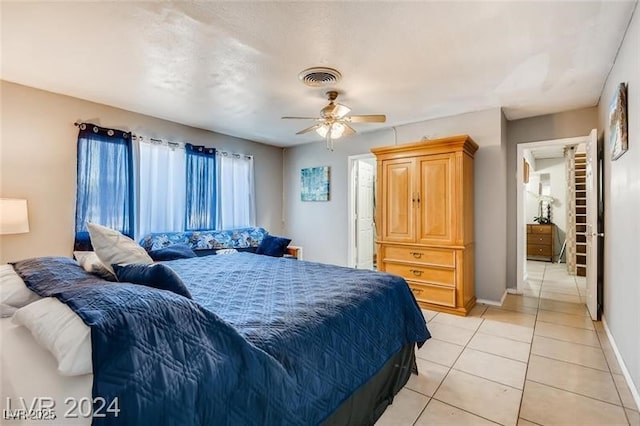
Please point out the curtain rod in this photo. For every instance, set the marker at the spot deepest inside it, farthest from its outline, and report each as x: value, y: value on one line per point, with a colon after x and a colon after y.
x: 176, y: 144
x: 157, y: 141
x: 233, y: 154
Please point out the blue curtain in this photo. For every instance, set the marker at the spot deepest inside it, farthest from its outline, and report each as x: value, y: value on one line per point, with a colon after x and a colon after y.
x: 201, y: 188
x: 104, y: 193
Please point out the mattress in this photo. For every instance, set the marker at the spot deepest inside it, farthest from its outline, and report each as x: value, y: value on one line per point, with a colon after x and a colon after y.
x: 29, y: 376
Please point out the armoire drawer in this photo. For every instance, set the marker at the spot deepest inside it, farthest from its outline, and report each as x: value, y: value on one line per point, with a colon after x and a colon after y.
x: 445, y: 296
x: 423, y: 274
x: 429, y: 256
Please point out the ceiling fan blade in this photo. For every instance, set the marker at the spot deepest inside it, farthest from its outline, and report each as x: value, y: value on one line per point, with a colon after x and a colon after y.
x: 302, y: 118
x: 335, y: 110
x: 309, y: 129
x: 341, y: 110
x: 378, y: 118
x: 348, y: 130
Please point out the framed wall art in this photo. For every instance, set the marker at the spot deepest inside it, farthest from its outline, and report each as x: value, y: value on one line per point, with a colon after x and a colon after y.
x: 315, y: 184
x: 618, y: 140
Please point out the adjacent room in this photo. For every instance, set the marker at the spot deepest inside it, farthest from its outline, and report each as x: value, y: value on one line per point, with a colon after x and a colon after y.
x: 345, y: 213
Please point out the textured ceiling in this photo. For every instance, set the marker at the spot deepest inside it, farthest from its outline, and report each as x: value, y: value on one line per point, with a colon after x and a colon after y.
x: 548, y: 152
x: 232, y: 67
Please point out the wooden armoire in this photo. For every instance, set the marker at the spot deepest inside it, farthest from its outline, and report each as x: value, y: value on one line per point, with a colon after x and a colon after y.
x: 424, y: 220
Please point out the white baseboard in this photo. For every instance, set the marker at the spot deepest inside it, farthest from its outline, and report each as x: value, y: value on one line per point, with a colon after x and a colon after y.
x: 623, y: 367
x: 513, y: 291
x: 493, y: 302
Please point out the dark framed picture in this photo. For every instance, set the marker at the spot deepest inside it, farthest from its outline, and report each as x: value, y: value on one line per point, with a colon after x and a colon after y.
x: 618, y: 140
x: 315, y: 184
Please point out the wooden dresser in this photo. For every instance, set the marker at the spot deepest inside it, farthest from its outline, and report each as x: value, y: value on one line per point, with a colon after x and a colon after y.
x: 540, y: 239
x: 424, y: 220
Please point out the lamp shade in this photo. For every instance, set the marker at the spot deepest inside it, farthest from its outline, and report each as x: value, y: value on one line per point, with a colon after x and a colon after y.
x: 14, y: 218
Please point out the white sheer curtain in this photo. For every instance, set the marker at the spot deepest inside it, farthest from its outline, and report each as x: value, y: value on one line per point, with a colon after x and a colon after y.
x: 236, y: 191
x: 161, y: 187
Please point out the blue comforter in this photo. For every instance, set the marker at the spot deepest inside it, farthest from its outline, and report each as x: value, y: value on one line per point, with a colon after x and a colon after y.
x: 264, y: 340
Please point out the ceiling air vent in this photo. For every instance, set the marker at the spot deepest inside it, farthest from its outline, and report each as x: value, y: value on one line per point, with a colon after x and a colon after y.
x: 319, y: 76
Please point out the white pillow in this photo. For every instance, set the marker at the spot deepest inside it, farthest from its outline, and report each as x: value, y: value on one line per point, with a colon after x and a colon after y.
x: 91, y: 263
x: 13, y: 291
x: 7, y: 311
x: 226, y: 251
x: 113, y: 247
x: 58, y: 329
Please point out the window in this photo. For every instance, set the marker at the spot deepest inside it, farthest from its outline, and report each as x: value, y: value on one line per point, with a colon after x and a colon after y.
x: 104, y: 193
x: 177, y: 187
x: 236, y: 194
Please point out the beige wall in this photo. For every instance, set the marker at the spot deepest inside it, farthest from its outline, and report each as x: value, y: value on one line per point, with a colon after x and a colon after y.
x: 321, y: 227
x: 542, y: 128
x: 38, y: 157
x: 622, y: 207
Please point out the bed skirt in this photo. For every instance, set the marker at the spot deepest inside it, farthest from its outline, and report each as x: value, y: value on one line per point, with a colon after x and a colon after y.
x: 366, y: 405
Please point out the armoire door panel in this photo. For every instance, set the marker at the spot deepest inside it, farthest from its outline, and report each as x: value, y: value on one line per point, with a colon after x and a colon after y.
x: 398, y: 201
x: 435, y: 213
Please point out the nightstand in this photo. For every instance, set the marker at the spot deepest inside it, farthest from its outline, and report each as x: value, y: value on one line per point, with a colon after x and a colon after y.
x: 294, y: 251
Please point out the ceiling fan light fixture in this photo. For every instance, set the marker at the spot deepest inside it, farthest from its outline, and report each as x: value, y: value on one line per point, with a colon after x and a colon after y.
x: 337, y: 130
x: 322, y: 130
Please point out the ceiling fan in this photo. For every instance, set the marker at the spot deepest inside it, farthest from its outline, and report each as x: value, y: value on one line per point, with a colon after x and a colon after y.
x: 333, y: 122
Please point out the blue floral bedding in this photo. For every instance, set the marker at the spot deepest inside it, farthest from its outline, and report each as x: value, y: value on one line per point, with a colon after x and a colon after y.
x: 264, y: 340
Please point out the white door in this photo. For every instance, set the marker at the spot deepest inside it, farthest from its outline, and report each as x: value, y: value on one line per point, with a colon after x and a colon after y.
x: 592, y: 224
x: 365, y: 176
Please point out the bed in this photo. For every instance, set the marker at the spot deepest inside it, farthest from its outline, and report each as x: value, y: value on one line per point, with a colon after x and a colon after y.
x: 262, y: 341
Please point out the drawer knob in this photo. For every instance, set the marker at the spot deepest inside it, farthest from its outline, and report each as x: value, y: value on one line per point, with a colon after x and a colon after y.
x: 416, y: 272
x: 416, y: 290
x: 416, y: 254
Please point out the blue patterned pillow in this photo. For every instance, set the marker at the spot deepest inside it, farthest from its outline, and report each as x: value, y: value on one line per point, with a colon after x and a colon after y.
x: 173, y: 252
x: 156, y: 275
x: 273, y: 246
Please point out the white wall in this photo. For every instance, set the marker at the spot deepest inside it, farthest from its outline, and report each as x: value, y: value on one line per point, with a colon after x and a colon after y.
x: 321, y: 227
x: 622, y: 204
x: 556, y: 169
x: 531, y: 204
x: 38, y: 157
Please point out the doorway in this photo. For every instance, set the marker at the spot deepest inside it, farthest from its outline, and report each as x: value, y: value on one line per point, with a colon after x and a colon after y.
x: 362, y: 229
x: 543, y: 236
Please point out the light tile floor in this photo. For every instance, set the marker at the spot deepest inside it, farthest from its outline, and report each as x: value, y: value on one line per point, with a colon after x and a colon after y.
x: 537, y: 359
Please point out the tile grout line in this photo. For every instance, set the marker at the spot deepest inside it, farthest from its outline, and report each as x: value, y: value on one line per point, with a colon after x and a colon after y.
x: 568, y: 341
x: 572, y: 363
x: 538, y: 424
x: 500, y: 356
x: 570, y: 326
x: 491, y: 380
x: 451, y: 368
x: 467, y: 411
x: 508, y: 338
x: 579, y: 394
x: 526, y: 372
